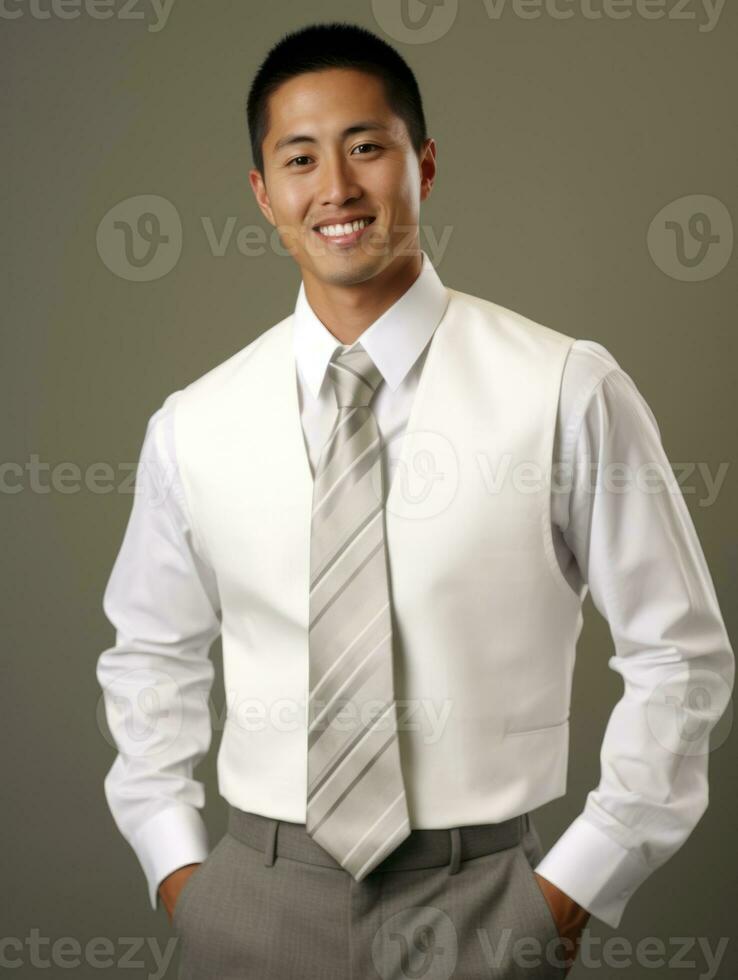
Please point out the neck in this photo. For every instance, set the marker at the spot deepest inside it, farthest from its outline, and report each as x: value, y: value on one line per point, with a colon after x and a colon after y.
x: 347, y: 311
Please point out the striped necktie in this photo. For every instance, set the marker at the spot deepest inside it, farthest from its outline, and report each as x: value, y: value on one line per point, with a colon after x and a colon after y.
x: 356, y: 804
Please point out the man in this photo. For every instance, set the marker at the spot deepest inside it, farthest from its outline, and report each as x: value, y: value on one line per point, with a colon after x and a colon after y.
x: 398, y: 648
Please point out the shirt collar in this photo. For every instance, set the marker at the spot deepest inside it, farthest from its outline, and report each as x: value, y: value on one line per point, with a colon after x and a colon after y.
x: 394, y: 341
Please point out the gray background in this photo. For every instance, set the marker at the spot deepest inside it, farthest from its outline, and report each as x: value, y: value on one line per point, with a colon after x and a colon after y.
x: 558, y: 143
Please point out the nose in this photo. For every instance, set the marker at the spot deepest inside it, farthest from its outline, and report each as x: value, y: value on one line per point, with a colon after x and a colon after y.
x: 339, y: 184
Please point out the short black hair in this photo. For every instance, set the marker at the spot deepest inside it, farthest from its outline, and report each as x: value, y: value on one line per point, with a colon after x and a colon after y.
x: 334, y: 45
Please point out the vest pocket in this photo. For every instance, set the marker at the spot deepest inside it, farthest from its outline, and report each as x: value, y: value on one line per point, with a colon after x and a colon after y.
x: 535, y: 731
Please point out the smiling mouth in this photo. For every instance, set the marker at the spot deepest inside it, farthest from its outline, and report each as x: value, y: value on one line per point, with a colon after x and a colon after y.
x: 343, y: 236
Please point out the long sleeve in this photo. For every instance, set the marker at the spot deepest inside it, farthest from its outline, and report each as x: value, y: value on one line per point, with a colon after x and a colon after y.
x: 162, y: 599
x: 638, y: 552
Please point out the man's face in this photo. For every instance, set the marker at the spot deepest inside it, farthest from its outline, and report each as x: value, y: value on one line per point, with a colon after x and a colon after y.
x: 328, y: 175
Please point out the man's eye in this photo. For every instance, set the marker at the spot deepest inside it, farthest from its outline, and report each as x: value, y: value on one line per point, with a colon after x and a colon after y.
x: 372, y: 146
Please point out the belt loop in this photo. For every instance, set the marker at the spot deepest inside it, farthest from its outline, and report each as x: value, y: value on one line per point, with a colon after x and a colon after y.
x: 453, y: 864
x: 526, y: 823
x: 270, y: 844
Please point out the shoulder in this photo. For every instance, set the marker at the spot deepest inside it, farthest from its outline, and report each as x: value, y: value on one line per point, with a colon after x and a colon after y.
x: 507, y: 326
x: 587, y: 364
x: 219, y: 388
x: 596, y: 392
x: 160, y: 441
x: 225, y: 372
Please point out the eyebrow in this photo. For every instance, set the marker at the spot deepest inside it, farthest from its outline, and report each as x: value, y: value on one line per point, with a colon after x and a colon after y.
x: 365, y: 126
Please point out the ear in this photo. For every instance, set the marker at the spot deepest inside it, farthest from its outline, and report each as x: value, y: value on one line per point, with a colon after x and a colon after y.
x: 427, y: 168
x: 260, y: 193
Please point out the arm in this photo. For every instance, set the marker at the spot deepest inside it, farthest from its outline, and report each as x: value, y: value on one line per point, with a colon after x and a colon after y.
x: 162, y: 599
x: 641, y: 558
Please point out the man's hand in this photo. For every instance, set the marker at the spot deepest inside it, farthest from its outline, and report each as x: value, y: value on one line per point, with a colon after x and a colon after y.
x: 569, y: 916
x: 172, y: 885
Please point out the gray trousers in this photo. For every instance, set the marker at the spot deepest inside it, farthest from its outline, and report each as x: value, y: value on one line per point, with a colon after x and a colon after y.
x: 269, y: 903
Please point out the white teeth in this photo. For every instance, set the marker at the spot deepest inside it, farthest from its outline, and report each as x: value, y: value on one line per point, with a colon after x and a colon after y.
x: 334, y: 231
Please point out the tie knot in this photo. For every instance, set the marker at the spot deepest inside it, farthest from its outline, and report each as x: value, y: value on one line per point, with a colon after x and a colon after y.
x: 354, y: 375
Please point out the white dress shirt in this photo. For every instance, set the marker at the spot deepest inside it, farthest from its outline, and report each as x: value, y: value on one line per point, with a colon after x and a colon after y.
x: 637, y: 552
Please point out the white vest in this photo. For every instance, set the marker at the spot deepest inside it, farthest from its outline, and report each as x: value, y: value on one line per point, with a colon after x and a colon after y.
x: 485, y: 624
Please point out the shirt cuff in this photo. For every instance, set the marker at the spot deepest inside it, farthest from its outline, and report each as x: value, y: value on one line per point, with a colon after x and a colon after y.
x: 594, y: 870
x: 173, y: 838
